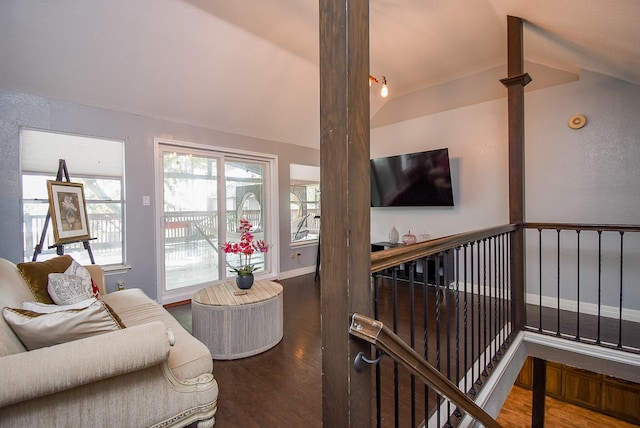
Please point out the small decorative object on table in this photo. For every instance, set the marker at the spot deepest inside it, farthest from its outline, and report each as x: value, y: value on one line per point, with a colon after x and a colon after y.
x: 409, y: 238
x: 424, y: 237
x: 393, y: 235
x: 245, y: 248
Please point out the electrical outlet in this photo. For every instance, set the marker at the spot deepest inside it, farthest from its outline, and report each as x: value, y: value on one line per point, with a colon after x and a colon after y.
x: 295, y: 255
x: 120, y: 285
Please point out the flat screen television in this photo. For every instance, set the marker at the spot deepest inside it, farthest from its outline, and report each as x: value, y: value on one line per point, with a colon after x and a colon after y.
x: 412, y: 180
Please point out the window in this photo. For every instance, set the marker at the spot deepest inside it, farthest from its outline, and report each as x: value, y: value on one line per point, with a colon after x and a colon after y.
x: 304, y: 203
x: 96, y: 163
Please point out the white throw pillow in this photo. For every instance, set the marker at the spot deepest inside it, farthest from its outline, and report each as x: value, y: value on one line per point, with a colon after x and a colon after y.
x: 39, y: 330
x: 72, y: 286
x: 76, y: 269
x: 68, y: 289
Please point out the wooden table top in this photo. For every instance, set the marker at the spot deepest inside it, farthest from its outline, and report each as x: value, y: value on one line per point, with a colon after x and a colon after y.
x: 228, y: 293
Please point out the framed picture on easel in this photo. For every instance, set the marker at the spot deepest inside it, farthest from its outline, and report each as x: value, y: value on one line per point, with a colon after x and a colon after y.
x: 68, y: 212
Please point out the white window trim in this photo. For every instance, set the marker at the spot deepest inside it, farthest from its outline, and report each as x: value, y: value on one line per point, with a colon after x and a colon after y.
x: 271, y: 195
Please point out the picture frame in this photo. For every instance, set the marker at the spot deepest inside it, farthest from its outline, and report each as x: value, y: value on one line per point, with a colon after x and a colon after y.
x: 68, y: 211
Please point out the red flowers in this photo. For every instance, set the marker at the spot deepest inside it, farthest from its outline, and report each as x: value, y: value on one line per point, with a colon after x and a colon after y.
x: 245, y: 248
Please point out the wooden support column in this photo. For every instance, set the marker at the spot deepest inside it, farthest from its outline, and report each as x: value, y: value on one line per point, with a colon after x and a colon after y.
x: 344, y: 180
x: 515, y: 83
x: 539, y: 392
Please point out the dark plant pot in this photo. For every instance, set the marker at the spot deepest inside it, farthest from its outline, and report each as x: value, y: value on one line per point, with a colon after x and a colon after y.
x: 244, y: 282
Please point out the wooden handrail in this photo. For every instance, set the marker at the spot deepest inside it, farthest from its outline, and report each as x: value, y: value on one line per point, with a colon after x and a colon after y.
x: 395, y: 256
x: 582, y: 226
x: 377, y: 334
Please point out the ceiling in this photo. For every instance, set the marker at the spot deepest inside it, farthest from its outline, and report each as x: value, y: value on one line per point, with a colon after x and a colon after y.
x: 251, y: 67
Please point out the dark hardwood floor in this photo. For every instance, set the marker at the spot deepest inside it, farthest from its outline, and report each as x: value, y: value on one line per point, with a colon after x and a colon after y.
x: 282, y: 386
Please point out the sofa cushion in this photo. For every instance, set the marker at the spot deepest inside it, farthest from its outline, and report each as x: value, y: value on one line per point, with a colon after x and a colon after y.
x: 37, y: 330
x: 189, y: 357
x: 36, y: 274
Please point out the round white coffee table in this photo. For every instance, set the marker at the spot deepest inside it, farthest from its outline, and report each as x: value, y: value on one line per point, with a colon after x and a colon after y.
x: 236, y: 323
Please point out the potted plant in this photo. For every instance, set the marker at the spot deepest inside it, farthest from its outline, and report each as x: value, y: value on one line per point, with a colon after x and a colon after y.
x: 245, y: 248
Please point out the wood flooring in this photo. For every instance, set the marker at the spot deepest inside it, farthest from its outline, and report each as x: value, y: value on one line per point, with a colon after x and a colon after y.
x: 282, y: 387
x: 516, y: 413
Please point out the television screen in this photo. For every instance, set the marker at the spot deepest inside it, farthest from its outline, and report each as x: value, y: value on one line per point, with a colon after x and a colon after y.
x: 412, y: 180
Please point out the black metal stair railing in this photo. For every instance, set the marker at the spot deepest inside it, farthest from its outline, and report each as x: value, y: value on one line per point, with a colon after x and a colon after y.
x: 384, y: 339
x: 451, y: 301
x: 455, y: 294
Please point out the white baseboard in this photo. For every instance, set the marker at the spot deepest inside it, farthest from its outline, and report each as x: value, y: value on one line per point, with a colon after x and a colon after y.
x: 297, y: 272
x: 585, y: 308
x: 565, y: 304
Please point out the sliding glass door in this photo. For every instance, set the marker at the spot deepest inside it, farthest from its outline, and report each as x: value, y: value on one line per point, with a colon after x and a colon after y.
x: 203, y: 196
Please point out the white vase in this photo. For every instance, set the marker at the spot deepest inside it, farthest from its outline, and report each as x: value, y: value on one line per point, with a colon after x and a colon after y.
x: 394, y: 235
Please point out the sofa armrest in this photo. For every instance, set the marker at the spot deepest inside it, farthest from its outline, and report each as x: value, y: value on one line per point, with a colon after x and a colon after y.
x: 49, y: 370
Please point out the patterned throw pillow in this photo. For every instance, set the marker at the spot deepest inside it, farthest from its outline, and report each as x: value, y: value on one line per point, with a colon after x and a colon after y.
x: 37, y: 330
x: 72, y: 286
x: 68, y: 289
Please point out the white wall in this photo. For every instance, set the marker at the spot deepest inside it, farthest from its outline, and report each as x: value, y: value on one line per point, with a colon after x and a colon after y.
x: 589, y: 175
x: 476, y: 137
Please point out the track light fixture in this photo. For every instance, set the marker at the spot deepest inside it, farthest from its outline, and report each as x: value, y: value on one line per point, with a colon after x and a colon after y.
x: 384, y: 91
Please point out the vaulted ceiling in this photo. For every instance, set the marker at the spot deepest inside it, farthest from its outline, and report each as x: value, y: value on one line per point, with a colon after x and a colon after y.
x: 251, y: 67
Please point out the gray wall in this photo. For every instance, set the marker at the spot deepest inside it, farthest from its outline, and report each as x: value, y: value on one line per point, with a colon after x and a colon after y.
x: 590, y: 175
x: 21, y: 110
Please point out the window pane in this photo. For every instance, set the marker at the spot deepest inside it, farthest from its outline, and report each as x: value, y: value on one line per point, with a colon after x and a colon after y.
x: 190, y: 220
x: 305, y: 202
x: 101, y: 189
x: 244, y: 183
x: 305, y: 212
x: 105, y: 206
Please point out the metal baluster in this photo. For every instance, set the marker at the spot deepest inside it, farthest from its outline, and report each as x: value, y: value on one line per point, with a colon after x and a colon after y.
x: 484, y: 309
x: 465, y: 313
x: 472, y: 391
x: 479, y: 267
x: 457, y: 302
x: 621, y: 279
x: 412, y: 315
x: 447, y: 298
x: 396, y: 374
x: 510, y: 306
x: 599, y: 283
x: 494, y: 300
x: 500, y: 291
x: 438, y: 302
x: 425, y: 305
x: 558, y: 310
x: 540, y: 273
x: 578, y: 288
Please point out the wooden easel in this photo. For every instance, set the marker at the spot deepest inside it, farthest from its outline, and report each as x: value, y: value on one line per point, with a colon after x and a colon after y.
x: 62, y: 170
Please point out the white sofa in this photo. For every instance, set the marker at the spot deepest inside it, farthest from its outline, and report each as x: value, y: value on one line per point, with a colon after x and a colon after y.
x: 152, y: 373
